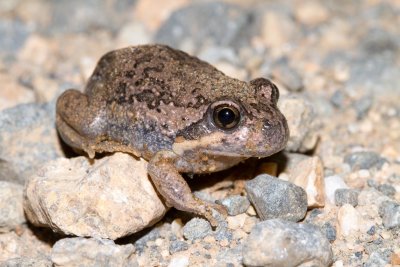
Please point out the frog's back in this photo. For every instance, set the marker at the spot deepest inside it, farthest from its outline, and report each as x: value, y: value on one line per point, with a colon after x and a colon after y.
x: 152, y: 92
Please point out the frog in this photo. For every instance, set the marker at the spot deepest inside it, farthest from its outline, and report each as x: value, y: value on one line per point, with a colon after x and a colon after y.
x: 179, y: 113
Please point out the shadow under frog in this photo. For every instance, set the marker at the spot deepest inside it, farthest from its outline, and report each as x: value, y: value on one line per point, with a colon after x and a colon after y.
x: 177, y: 112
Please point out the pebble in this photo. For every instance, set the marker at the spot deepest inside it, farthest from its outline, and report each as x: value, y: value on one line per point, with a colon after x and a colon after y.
x: 387, y: 190
x: 80, y: 251
x: 235, y: 205
x: 329, y: 230
x: 275, y: 198
x: 196, y: 228
x: 282, y: 243
x: 11, y: 209
x: 348, y: 220
x: 105, y: 199
x: 346, y: 196
x: 226, y: 24
x: 177, y: 246
x: 299, y: 112
x: 309, y: 175
x: 364, y: 160
x: 390, y: 213
x: 28, y: 139
x: 333, y: 183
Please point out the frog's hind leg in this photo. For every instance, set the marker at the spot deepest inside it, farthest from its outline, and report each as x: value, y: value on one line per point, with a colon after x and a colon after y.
x: 172, y: 186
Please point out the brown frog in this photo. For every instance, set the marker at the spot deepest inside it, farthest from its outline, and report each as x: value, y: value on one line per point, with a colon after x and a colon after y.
x: 176, y: 111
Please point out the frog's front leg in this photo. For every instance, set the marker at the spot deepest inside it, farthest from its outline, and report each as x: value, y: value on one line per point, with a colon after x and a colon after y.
x: 164, y: 170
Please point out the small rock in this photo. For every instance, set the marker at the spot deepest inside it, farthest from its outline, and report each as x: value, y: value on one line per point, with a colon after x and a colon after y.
x: 330, y: 231
x: 387, y: 189
x: 390, y: 213
x: 299, y: 112
x: 177, y: 246
x: 110, y: 198
x: 309, y: 175
x: 333, y: 183
x: 364, y: 160
x: 80, y: 251
x: 346, y: 196
x: 281, y: 243
x: 11, y: 208
x: 28, y: 138
x: 275, y: 198
x: 196, y: 228
x: 235, y: 204
x: 287, y: 75
x: 348, y: 220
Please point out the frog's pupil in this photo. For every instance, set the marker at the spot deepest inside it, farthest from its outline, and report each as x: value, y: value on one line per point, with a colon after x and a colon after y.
x: 226, y: 116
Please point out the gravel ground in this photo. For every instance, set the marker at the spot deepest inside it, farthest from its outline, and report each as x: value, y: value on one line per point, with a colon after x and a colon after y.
x: 337, y: 199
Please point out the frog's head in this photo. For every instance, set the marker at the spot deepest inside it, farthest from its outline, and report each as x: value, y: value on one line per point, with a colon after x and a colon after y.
x: 246, y: 123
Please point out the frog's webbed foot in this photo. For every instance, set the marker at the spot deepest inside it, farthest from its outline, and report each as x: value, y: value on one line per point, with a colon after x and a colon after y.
x: 172, y: 186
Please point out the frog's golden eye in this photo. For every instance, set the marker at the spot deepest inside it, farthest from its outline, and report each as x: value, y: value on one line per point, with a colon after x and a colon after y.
x: 226, y: 116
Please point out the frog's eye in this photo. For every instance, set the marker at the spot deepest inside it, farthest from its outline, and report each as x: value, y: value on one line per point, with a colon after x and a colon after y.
x: 226, y: 116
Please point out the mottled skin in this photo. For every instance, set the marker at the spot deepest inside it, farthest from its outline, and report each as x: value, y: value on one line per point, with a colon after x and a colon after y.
x: 158, y: 103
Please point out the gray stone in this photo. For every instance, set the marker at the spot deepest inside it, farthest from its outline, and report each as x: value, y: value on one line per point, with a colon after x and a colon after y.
x: 80, y: 251
x: 11, y: 208
x: 387, y: 189
x: 282, y: 243
x: 235, y: 204
x: 211, y: 23
x: 28, y: 139
x: 364, y: 160
x: 196, y: 228
x: 346, y: 196
x: 151, y: 235
x: 275, y: 198
x: 287, y: 75
x: 177, y: 246
x: 299, y: 112
x: 330, y: 231
x: 390, y: 213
